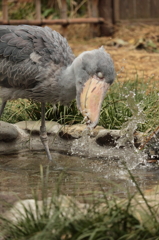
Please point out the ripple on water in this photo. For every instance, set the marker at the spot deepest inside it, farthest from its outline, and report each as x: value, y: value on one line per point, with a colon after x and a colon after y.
x: 20, y: 174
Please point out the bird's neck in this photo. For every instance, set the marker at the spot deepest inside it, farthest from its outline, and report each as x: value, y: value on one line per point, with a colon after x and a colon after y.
x: 67, y: 85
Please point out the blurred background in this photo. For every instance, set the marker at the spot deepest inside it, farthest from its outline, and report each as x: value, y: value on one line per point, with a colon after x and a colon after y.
x: 102, y: 16
x: 127, y: 29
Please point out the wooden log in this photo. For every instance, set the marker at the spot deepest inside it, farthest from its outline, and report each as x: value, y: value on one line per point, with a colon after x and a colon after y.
x: 93, y: 12
x: 5, y: 11
x: 63, y: 15
x: 106, y: 12
x: 116, y: 9
x: 38, y: 9
x: 55, y: 21
x: 151, y: 21
x: 25, y: 1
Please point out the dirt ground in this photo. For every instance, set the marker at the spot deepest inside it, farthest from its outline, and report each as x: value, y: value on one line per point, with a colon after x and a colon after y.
x: 134, y: 49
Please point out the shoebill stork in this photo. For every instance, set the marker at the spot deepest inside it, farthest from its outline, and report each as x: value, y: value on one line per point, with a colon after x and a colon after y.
x: 37, y: 63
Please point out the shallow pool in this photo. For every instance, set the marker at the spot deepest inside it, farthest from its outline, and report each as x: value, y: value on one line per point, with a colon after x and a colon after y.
x: 20, y: 175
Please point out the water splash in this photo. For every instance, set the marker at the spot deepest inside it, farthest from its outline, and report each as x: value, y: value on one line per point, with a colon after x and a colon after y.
x: 82, y: 145
x: 128, y: 128
x: 127, y: 131
x: 125, y: 149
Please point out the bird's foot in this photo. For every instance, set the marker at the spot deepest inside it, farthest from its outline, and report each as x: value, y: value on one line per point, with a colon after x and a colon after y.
x: 44, y: 140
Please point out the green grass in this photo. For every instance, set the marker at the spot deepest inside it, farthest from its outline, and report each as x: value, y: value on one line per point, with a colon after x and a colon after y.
x: 23, y: 10
x: 49, y: 9
x: 104, y: 219
x: 133, y: 100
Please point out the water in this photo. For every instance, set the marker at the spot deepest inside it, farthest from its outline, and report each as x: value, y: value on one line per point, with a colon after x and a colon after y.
x: 82, y: 177
x: 20, y: 174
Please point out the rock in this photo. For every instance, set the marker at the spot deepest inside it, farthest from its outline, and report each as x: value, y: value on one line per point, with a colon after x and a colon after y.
x: 117, y: 42
x: 146, y: 44
x: 107, y: 137
x: 150, y: 144
x: 75, y: 139
x: 7, y: 199
x: 68, y: 132
x: 139, y: 139
x: 67, y: 205
x: 33, y: 127
x: 7, y: 132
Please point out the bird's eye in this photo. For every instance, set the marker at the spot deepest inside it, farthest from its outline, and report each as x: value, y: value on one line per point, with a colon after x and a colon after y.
x: 100, y: 75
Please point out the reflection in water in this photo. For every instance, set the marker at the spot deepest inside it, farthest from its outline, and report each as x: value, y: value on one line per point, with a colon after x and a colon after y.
x: 20, y: 174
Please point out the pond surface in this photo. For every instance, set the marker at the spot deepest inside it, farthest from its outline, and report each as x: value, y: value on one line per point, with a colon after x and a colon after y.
x: 20, y: 174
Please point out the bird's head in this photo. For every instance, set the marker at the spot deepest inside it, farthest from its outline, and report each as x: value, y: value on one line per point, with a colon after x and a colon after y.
x: 94, y: 72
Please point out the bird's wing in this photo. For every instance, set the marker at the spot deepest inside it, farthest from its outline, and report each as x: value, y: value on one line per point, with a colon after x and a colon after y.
x: 29, y: 54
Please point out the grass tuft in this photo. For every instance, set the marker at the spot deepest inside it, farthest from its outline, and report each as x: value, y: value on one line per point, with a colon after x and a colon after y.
x: 60, y: 217
x: 131, y: 100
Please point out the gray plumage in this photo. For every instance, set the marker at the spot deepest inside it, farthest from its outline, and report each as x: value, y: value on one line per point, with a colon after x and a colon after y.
x: 37, y: 63
x: 30, y: 57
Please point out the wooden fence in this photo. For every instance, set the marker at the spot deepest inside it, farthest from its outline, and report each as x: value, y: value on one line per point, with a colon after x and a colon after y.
x: 136, y: 11
x: 64, y: 21
x: 103, y: 14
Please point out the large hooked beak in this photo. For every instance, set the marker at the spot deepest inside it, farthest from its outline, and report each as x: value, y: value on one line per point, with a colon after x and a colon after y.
x: 91, y: 99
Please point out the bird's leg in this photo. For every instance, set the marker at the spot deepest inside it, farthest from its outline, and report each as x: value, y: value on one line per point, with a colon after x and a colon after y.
x: 43, y: 134
x: 2, y: 107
